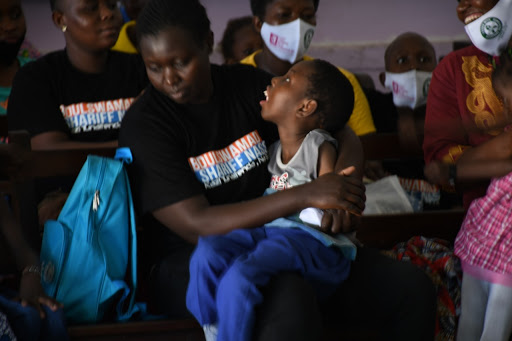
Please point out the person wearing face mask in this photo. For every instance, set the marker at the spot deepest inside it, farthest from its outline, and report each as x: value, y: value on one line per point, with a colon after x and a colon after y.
x: 409, y: 61
x: 287, y: 28
x: 12, y: 35
x: 463, y: 111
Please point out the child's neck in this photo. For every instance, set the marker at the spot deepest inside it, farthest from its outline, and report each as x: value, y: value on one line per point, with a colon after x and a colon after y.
x: 290, y: 143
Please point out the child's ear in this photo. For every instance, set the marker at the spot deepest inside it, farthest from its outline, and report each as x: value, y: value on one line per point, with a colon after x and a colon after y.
x: 308, y: 108
x: 257, y: 22
x: 382, y: 78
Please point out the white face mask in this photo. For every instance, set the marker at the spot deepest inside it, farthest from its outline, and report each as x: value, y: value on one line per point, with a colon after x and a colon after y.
x: 288, y: 41
x: 492, y: 31
x: 409, y: 88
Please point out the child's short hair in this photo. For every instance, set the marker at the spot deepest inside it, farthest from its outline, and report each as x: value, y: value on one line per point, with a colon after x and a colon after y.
x: 333, y: 93
x: 228, y: 38
x: 503, y: 68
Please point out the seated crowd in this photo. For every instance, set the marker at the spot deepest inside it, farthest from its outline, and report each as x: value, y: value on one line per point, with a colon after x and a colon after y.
x: 228, y: 202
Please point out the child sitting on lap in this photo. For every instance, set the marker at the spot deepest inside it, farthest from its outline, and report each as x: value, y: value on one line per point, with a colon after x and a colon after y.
x: 312, y: 100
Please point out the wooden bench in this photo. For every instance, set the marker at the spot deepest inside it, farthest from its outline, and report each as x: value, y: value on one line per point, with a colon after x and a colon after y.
x: 375, y: 231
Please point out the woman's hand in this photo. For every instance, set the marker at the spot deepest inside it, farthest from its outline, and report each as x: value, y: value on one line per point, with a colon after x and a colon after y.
x: 438, y: 173
x: 32, y: 294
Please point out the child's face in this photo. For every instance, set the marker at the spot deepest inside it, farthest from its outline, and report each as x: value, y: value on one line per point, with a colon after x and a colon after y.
x: 411, y: 53
x: 246, y: 41
x: 286, y: 94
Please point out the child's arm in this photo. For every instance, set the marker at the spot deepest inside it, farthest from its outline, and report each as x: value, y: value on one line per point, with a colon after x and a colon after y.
x: 333, y: 221
x: 327, y: 156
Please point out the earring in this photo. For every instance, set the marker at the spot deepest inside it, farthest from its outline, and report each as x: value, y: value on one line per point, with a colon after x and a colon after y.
x: 64, y: 28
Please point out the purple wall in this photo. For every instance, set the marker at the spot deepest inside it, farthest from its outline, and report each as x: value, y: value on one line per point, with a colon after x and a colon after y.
x: 350, y: 33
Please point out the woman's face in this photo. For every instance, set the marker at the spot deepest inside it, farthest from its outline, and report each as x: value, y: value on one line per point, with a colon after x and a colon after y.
x: 470, y: 10
x: 281, y: 12
x: 91, y: 24
x: 12, y: 21
x: 177, y: 65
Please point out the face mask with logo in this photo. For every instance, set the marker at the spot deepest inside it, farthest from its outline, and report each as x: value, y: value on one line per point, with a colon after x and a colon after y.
x: 288, y: 41
x: 409, y: 88
x: 492, y: 31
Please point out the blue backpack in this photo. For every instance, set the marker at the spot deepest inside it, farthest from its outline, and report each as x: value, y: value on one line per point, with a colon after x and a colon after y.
x: 88, y: 254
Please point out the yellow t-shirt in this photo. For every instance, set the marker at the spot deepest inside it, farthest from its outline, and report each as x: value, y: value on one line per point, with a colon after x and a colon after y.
x: 361, y: 120
x: 124, y: 43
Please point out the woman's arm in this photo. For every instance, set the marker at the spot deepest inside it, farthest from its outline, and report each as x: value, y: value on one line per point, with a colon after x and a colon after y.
x: 27, y: 261
x: 52, y: 140
x: 491, y: 159
x: 193, y: 217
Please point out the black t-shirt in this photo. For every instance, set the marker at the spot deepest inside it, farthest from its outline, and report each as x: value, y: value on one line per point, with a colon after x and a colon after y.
x: 217, y: 149
x: 49, y: 94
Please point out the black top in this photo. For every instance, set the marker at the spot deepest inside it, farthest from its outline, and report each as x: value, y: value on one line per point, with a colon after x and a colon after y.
x: 49, y: 94
x: 218, y: 149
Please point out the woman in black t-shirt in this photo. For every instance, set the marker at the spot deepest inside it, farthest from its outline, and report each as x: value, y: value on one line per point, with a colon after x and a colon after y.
x: 199, y: 148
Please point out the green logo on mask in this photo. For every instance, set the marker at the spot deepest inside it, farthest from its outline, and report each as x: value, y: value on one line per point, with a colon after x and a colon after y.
x: 491, y: 28
x: 308, y: 37
x: 426, y: 84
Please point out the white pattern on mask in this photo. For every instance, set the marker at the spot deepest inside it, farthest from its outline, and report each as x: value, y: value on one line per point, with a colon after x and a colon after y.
x: 492, y: 31
x: 288, y: 41
x: 409, y: 88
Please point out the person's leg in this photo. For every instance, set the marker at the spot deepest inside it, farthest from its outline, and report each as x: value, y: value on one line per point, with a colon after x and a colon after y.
x: 289, y: 310
x: 396, y: 297
x: 212, y: 258
x: 282, y: 250
x: 168, y: 283
x: 498, y: 315
x: 474, y: 296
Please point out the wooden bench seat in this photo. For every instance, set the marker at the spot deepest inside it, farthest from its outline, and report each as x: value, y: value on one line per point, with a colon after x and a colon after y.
x: 160, y: 330
x: 375, y: 231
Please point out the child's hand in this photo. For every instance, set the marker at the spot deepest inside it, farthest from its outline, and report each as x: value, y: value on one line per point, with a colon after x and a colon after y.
x: 339, y: 221
x: 32, y: 293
